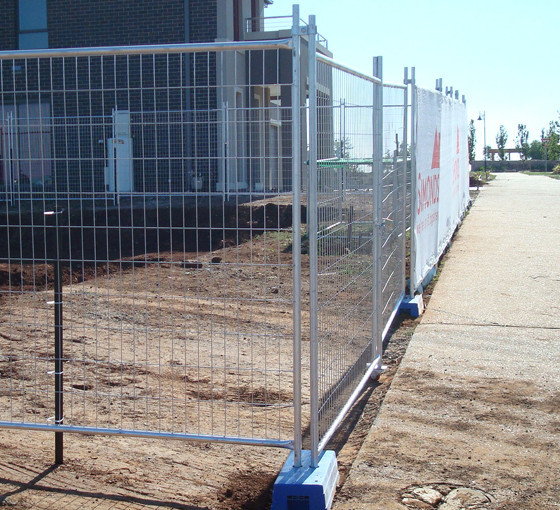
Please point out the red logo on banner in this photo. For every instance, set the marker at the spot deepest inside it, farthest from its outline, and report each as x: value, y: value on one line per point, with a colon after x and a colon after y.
x: 458, y: 144
x: 437, y: 145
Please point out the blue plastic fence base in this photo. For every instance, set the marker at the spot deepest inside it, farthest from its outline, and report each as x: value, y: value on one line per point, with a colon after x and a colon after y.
x: 306, y: 488
x: 413, y: 305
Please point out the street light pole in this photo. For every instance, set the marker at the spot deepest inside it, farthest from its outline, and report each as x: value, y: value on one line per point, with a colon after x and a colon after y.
x: 483, y: 118
x: 545, y: 142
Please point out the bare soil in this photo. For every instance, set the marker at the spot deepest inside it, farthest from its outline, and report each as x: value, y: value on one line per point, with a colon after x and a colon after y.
x: 135, y: 380
x: 128, y: 473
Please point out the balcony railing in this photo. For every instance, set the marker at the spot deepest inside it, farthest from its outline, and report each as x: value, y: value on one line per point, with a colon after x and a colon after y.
x: 274, y: 24
x: 269, y: 24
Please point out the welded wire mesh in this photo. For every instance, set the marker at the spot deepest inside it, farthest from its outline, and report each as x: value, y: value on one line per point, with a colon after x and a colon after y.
x: 172, y: 172
x: 173, y: 176
x: 394, y: 201
x: 347, y: 299
x: 344, y: 239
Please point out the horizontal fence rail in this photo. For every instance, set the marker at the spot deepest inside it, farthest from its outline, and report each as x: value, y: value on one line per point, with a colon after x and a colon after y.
x: 99, y: 51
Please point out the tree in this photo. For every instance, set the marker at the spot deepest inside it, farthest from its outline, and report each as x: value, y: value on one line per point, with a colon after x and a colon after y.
x: 501, y: 140
x: 535, y: 150
x: 342, y: 147
x: 553, y: 145
x: 401, y: 149
x: 472, y: 142
x: 522, y: 140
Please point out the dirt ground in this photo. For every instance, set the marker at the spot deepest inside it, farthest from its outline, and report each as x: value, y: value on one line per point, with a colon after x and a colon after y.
x: 128, y: 473
x: 231, y: 369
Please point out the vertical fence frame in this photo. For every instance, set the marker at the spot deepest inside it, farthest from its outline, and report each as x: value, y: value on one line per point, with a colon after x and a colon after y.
x: 313, y: 255
x: 296, y: 226
x: 378, y: 208
x: 413, y: 170
x: 406, y: 173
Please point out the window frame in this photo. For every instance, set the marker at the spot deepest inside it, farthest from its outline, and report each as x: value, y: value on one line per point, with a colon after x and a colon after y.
x: 37, y: 32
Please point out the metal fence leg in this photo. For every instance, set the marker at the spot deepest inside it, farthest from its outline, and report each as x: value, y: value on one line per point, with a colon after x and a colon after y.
x: 296, y: 231
x: 58, y: 340
x: 378, y: 211
x: 313, y: 261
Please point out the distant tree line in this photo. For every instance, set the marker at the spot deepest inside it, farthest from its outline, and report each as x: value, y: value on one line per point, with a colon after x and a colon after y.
x: 547, y: 147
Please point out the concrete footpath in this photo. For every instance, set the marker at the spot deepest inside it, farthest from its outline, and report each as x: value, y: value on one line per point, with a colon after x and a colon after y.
x: 472, y: 418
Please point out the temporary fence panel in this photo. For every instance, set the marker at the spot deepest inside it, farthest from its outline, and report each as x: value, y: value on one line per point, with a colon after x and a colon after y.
x: 356, y: 232
x: 395, y: 179
x: 163, y: 293
x: 171, y: 171
x: 454, y: 180
x: 441, y: 178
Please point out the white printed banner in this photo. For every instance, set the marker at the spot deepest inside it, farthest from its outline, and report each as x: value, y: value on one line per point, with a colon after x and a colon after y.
x: 442, y: 178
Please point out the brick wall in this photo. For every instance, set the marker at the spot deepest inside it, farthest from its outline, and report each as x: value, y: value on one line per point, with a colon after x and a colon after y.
x: 8, y: 25
x: 93, y: 88
x: 74, y: 23
x: 203, y: 20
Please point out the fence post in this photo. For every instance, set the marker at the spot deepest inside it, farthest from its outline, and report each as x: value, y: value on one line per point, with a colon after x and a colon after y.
x: 343, y: 172
x: 313, y: 254
x: 377, y: 210
x: 296, y: 230
x: 58, y: 339
x: 405, y: 177
x: 413, y: 190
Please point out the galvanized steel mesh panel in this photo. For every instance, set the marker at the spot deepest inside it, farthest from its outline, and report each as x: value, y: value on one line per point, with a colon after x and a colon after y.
x: 347, y: 301
x: 344, y: 239
x: 394, y: 202
x: 174, y: 174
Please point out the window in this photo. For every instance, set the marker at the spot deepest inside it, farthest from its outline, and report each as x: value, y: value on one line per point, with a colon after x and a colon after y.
x: 32, y: 16
x: 25, y: 137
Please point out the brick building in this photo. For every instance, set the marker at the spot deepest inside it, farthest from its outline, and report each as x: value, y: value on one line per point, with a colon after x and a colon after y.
x: 58, y: 116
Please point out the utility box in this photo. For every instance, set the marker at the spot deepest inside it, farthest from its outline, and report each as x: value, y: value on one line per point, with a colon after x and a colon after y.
x: 119, y: 172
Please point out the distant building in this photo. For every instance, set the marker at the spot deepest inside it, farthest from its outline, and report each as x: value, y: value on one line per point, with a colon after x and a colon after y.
x: 30, y: 24
x: 60, y: 117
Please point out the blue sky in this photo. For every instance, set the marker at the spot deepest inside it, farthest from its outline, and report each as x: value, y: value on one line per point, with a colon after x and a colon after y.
x: 503, y: 55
